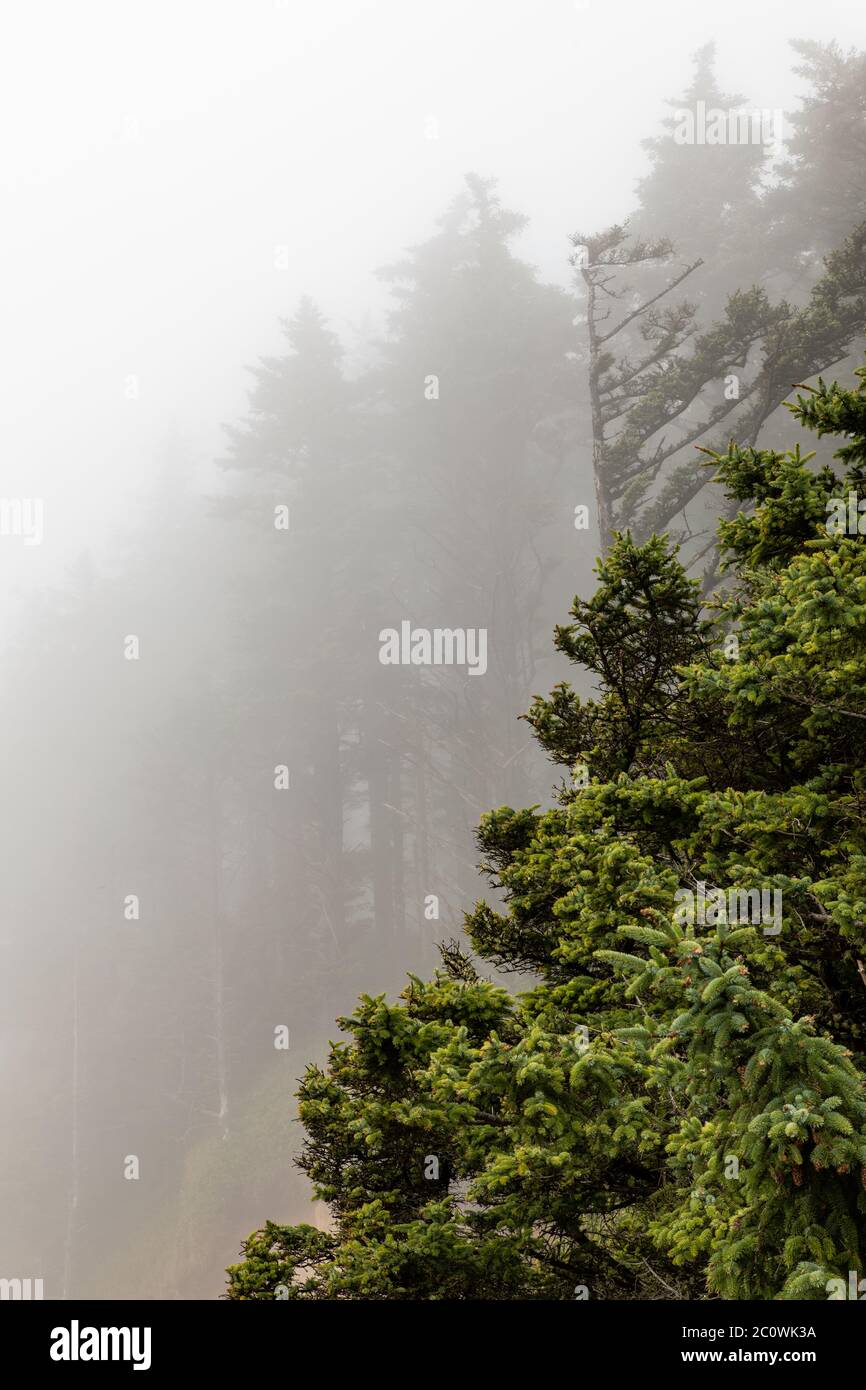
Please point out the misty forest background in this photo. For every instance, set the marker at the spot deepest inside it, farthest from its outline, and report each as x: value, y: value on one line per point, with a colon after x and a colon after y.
x: 259, y: 648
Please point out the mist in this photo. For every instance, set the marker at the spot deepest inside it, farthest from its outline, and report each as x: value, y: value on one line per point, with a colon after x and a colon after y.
x: 294, y: 362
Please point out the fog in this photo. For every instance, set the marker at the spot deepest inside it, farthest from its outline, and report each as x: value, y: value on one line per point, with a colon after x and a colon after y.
x: 178, y: 180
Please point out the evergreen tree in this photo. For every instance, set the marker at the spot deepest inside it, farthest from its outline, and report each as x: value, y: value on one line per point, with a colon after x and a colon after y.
x: 658, y: 384
x: 719, y: 183
x: 820, y: 195
x: 664, y: 373
x: 473, y: 369
x: 299, y: 566
x: 676, y: 1102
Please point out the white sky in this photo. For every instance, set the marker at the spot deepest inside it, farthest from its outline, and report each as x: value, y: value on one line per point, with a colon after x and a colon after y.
x: 156, y: 151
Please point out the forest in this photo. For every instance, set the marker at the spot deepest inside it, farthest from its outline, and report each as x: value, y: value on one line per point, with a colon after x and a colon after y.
x: 671, y: 1103
x: 433, y: 846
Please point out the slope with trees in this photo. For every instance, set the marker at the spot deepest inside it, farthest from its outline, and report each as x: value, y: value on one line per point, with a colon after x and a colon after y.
x: 676, y: 1101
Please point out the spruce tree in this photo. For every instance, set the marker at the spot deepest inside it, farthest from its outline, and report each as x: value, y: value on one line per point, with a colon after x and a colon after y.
x: 720, y: 184
x: 474, y: 368
x: 819, y: 197
x: 774, y: 293
x: 293, y: 492
x: 658, y: 384
x: 676, y: 1103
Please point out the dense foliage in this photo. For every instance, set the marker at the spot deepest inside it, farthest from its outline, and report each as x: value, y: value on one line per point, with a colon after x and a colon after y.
x: 674, y: 1106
